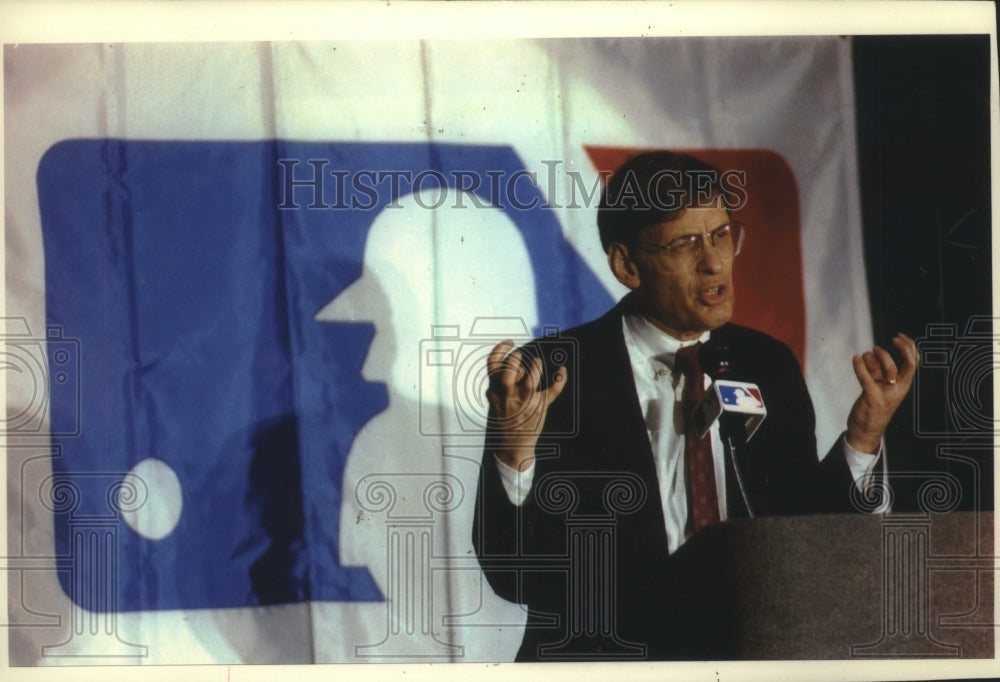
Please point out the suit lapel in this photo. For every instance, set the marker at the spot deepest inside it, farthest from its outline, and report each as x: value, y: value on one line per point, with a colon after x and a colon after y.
x: 619, y: 430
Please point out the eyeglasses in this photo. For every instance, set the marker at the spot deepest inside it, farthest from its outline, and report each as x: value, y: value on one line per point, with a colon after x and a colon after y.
x: 686, y: 250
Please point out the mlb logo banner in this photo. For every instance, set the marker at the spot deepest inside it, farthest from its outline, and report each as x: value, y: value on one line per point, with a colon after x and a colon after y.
x: 246, y: 306
x: 218, y: 388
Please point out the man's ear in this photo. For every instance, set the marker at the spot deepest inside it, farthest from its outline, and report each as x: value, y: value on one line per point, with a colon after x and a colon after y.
x: 622, y: 265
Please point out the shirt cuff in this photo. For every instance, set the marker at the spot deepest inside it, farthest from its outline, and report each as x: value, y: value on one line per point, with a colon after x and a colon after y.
x: 516, y: 483
x: 862, y: 466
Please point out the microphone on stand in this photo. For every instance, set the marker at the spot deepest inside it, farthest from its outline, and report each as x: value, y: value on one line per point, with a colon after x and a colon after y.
x: 738, y: 405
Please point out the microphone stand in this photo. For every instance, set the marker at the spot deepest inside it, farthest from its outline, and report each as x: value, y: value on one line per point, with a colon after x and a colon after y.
x: 717, y: 356
x: 731, y: 451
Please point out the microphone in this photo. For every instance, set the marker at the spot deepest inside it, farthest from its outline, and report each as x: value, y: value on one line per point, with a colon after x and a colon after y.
x: 738, y: 403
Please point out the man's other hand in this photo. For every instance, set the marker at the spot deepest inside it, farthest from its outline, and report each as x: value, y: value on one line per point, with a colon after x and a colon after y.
x: 883, y: 387
x: 517, y: 406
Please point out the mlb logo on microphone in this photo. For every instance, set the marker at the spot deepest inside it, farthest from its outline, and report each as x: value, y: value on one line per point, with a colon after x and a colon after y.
x: 742, y: 397
x: 731, y: 397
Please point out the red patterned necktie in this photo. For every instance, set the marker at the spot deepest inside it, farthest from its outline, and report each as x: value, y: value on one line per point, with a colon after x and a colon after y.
x: 703, y: 502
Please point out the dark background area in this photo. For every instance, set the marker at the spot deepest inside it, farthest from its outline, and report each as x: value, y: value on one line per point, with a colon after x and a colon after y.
x: 923, y: 130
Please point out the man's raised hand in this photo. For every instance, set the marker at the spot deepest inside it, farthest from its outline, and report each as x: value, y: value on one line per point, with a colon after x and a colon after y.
x: 883, y: 387
x: 517, y: 406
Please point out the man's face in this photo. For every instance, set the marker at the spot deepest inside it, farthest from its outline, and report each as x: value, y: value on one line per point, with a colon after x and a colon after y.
x: 687, y: 298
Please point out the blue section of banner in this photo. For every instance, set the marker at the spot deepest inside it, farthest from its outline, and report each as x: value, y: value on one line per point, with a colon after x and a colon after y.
x: 190, y: 274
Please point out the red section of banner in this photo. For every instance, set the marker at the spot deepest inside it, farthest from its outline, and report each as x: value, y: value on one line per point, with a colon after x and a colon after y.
x: 768, y: 272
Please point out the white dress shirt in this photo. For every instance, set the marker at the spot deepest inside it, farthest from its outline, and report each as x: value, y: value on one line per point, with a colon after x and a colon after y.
x: 661, y: 395
x: 651, y: 353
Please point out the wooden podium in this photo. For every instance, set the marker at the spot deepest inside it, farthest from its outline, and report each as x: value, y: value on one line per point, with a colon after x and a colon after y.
x: 843, y: 587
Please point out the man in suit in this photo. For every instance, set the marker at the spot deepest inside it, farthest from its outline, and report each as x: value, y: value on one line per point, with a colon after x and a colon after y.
x: 587, y: 496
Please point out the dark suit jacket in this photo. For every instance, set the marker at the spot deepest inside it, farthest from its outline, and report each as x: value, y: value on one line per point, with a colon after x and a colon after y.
x: 587, y: 550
